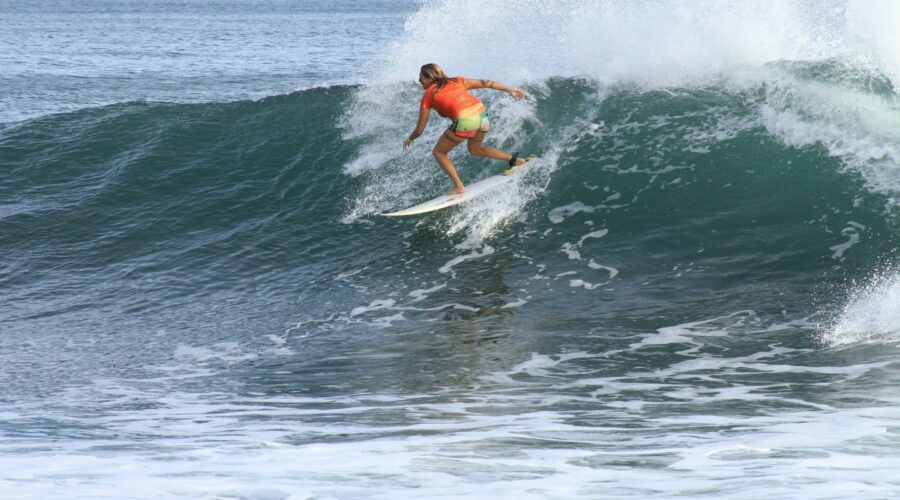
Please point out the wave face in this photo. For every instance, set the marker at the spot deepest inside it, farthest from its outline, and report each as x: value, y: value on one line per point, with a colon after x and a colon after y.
x: 693, y: 290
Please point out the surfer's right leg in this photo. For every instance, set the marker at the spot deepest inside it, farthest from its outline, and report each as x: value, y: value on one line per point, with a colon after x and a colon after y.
x: 448, y: 141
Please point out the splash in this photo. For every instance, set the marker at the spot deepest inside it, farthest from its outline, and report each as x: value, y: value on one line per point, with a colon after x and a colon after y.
x: 872, y: 315
x: 655, y: 43
x: 873, y: 27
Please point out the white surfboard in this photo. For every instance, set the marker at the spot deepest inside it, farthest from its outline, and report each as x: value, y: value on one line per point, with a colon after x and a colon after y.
x: 472, y: 191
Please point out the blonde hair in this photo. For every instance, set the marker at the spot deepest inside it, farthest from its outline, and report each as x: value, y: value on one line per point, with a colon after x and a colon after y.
x: 434, y: 73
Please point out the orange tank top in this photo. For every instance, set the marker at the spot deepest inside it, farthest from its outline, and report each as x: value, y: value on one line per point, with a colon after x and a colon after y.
x: 453, y: 100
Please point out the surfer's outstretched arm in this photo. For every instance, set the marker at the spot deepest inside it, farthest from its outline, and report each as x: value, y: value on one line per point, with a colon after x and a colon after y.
x: 420, y: 128
x: 480, y: 83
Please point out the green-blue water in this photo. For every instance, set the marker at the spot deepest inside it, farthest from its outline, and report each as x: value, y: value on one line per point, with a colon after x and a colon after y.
x: 694, y: 292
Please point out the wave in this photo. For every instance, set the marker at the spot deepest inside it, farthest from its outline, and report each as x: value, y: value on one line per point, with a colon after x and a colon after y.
x: 146, y: 207
x: 185, y: 199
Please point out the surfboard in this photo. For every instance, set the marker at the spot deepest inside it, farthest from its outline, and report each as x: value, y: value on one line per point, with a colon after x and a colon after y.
x: 472, y: 191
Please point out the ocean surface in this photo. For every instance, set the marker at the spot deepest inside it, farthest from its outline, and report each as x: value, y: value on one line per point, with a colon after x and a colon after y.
x: 695, y: 292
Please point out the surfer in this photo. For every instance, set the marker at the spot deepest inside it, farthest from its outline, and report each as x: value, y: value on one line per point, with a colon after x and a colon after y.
x: 450, y: 97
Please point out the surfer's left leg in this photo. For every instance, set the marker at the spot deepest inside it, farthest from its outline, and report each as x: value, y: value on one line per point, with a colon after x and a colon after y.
x: 447, y: 142
x: 478, y: 149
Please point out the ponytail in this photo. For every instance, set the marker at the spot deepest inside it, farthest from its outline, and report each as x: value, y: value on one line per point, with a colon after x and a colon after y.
x: 434, y: 73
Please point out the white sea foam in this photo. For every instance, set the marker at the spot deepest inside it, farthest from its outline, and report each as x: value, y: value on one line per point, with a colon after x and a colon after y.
x: 476, y: 254
x: 851, y: 232
x: 557, y: 424
x: 374, y: 306
x: 571, y: 249
x: 560, y: 214
x: 578, y: 283
x: 422, y: 294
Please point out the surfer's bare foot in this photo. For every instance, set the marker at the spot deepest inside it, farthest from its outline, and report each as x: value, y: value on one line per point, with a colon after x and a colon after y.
x: 456, y: 190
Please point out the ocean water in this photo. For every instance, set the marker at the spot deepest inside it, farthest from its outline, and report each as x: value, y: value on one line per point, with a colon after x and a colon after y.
x: 694, y: 294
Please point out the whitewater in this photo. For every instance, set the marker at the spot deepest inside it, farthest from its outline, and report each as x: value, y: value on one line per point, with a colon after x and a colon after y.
x: 694, y: 294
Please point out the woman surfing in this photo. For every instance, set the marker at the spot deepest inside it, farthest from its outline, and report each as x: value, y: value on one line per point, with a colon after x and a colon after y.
x: 450, y: 97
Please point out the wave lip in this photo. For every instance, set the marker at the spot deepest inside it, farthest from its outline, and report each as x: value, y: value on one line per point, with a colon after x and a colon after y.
x: 655, y: 44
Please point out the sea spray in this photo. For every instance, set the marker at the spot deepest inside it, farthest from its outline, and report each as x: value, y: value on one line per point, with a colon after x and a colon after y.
x: 871, y: 314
